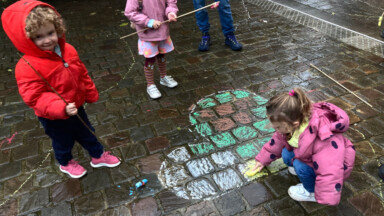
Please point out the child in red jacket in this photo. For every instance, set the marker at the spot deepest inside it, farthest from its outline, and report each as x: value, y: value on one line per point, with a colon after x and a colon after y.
x: 54, y: 82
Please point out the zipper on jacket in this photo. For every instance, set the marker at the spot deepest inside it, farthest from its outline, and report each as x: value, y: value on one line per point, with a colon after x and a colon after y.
x: 65, y: 63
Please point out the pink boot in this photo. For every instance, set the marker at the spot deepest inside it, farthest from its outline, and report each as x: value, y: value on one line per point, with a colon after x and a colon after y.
x: 106, y: 160
x: 73, y: 169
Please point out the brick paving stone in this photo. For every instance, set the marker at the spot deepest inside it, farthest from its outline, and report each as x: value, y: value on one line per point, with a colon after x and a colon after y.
x: 157, y: 144
x: 118, y: 195
x: 365, y: 112
x: 224, y: 97
x: 117, y: 139
x: 200, y: 167
x: 146, y: 206
x: 174, y: 175
x: 10, y: 170
x: 34, y: 201
x: 124, y: 172
x: 227, y: 179
x: 204, y: 129
x: 164, y: 127
x: 264, y: 126
x: 169, y: 201
x: 10, y: 208
x: 126, y: 123
x: 373, y: 126
x: 181, y: 137
x: 150, y: 164
x: 117, y: 211
x: 62, y: 209
x: 368, y: 149
x: 65, y: 191
x: 166, y: 113
x: 24, y: 152
x: 284, y: 207
x: 12, y: 143
x: 367, y: 203
x: 133, y: 151
x: 248, y: 150
x: 259, y: 211
x: 354, y: 134
x: 255, y: 194
x: 224, y: 109
x: 4, y: 157
x: 224, y: 159
x: 96, y: 180
x: 243, y: 117
x: 45, y: 178
x: 225, y: 204
x: 280, y: 183
x: 202, y: 208
x: 359, y: 181
x: 89, y: 204
x: 141, y: 133
x: 378, y: 140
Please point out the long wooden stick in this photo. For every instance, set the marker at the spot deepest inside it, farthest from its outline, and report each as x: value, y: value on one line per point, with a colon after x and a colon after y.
x: 341, y: 85
x: 191, y: 12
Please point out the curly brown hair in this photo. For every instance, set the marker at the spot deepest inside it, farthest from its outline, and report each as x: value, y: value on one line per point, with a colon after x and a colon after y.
x: 289, y: 108
x: 39, y: 16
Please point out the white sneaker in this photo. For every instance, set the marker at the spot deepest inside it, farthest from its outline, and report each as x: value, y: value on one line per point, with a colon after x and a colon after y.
x: 299, y: 193
x: 292, y: 170
x: 168, y: 81
x: 153, y: 91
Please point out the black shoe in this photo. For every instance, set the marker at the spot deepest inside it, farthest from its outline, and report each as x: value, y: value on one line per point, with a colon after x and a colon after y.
x: 381, y: 172
x: 230, y: 40
x: 205, y: 42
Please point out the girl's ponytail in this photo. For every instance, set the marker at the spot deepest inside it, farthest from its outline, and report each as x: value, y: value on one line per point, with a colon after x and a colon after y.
x: 304, y: 102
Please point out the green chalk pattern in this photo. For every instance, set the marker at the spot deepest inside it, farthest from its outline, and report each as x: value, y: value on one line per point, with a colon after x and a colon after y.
x: 223, y: 140
x: 244, y: 133
x: 260, y: 100
x: 259, y: 112
x: 192, y: 120
x: 208, y: 102
x: 247, y: 151
x: 224, y: 97
x: 204, y: 129
x: 262, y: 126
x: 241, y: 94
x: 201, y: 148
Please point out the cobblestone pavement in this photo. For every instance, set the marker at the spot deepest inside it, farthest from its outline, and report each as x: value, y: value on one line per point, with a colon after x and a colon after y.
x: 193, y: 144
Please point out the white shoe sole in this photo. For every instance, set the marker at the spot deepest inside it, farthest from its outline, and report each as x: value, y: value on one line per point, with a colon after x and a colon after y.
x: 300, y: 199
x: 168, y: 85
x: 73, y: 176
x: 105, y: 165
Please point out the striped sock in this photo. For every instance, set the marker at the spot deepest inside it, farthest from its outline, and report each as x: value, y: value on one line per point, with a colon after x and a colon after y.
x: 149, y: 70
x: 162, y: 63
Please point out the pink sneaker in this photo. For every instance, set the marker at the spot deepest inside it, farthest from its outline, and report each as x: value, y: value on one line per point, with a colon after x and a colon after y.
x: 106, y: 160
x: 73, y: 169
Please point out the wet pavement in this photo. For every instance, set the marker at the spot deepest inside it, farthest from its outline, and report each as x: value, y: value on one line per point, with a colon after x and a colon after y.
x: 193, y: 144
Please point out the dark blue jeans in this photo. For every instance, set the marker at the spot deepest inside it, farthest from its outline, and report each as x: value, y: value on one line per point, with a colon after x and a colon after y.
x: 225, y: 14
x: 65, y: 132
x: 305, y: 173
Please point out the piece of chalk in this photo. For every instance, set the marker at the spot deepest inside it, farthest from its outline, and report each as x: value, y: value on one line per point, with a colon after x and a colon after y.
x: 141, y: 183
x: 251, y: 172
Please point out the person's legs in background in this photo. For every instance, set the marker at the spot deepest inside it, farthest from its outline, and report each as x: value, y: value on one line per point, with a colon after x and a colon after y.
x: 228, y: 30
x: 202, y: 21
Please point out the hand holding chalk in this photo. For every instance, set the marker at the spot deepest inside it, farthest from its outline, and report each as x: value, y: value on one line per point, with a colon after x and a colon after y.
x: 252, y: 171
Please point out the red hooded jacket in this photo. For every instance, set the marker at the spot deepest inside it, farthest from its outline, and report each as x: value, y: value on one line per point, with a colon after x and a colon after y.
x: 66, y: 74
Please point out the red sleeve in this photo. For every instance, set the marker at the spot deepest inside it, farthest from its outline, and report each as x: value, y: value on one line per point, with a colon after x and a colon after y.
x: 35, y: 94
x: 271, y: 150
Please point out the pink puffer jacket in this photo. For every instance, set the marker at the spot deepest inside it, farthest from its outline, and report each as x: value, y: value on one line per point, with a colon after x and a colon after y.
x: 323, y: 147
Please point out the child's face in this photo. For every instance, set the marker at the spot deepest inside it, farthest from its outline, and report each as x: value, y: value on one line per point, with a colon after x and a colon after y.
x: 284, y: 127
x: 46, y: 37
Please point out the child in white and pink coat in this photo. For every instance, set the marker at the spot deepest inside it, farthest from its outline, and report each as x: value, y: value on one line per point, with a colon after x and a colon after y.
x: 153, y: 43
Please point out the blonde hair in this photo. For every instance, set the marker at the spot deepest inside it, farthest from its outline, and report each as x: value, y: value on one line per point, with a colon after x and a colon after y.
x: 40, y: 16
x: 289, y: 107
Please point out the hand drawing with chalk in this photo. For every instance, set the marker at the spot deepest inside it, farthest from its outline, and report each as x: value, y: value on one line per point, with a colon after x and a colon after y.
x: 229, y: 130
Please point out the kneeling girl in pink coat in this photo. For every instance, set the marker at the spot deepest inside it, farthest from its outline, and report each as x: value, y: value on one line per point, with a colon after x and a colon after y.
x: 309, y: 138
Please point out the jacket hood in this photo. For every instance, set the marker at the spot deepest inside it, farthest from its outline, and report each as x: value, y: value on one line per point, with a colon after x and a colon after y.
x: 13, y: 21
x: 328, y: 119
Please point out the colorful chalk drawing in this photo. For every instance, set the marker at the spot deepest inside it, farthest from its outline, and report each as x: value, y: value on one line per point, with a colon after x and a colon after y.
x: 215, y: 164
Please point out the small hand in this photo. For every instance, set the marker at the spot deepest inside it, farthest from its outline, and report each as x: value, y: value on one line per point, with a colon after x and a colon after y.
x: 156, y: 24
x: 216, y: 5
x: 251, y: 172
x: 71, y: 109
x: 172, y: 17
